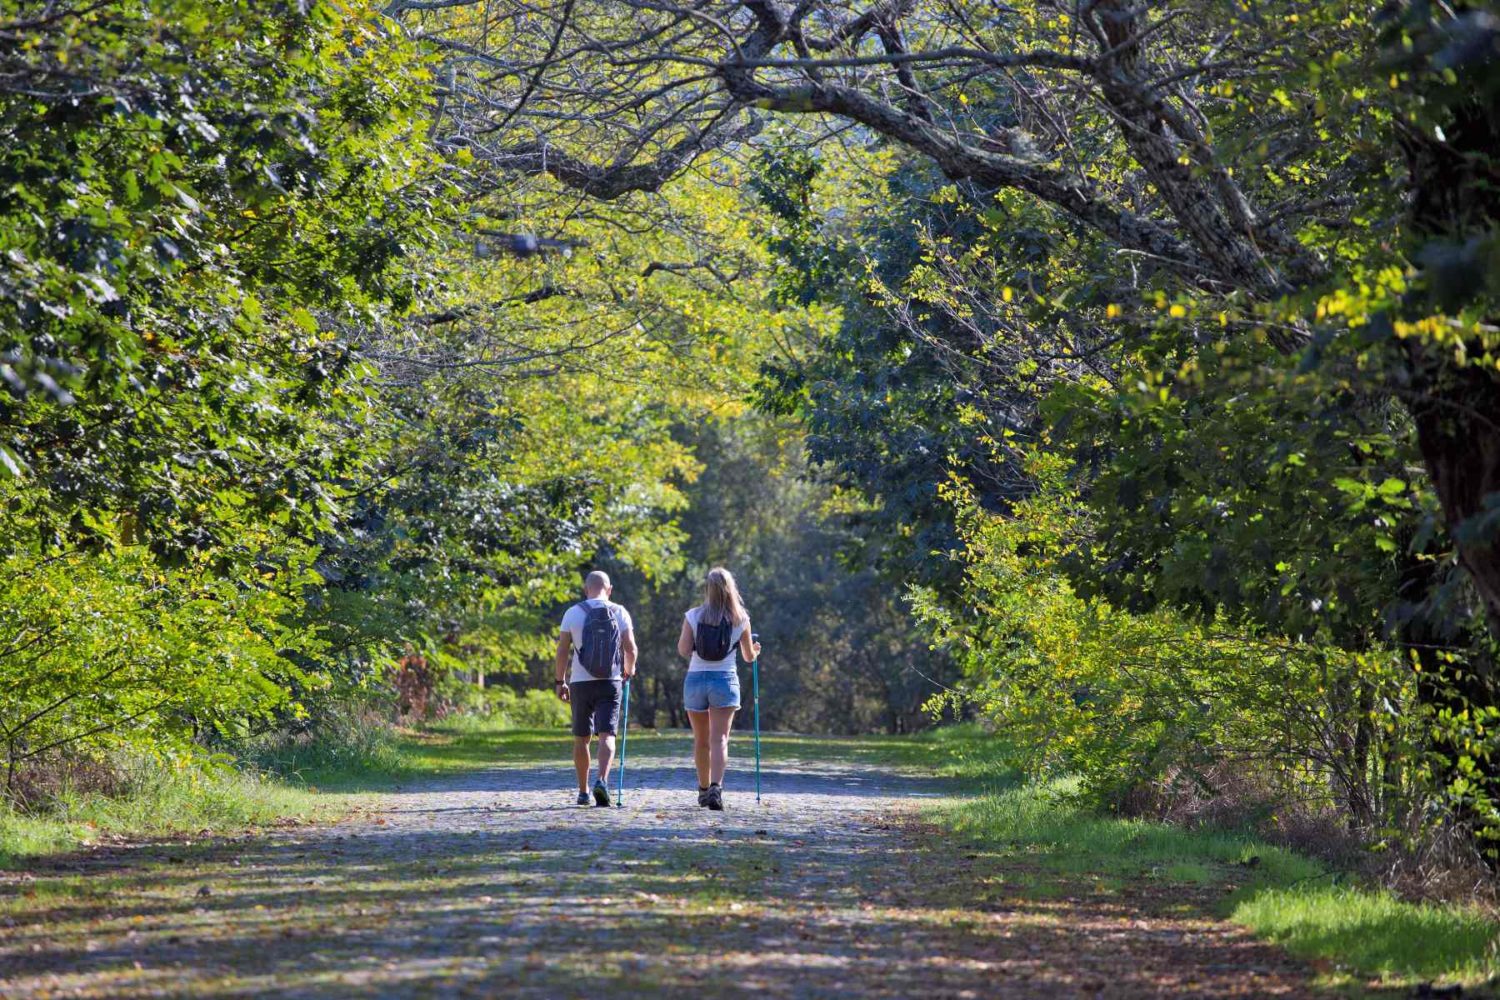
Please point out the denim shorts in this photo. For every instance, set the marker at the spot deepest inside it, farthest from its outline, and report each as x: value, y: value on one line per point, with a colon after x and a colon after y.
x: 705, y: 689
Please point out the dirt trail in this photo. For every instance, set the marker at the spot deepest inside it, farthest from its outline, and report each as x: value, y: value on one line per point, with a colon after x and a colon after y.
x: 494, y: 883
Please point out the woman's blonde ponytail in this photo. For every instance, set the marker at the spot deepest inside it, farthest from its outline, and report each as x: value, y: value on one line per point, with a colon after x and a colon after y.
x: 721, y: 597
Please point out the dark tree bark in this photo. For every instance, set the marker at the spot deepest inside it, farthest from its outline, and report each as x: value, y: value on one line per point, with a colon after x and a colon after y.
x: 1454, y: 396
x: 1455, y: 200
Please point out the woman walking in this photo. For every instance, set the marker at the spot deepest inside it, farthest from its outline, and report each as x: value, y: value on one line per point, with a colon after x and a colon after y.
x: 711, y: 693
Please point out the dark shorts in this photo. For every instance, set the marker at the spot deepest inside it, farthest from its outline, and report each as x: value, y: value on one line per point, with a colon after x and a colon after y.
x: 596, y: 707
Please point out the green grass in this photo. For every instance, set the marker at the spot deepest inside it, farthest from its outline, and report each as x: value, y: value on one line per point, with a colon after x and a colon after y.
x: 464, y: 743
x: 963, y: 753
x: 1376, y: 934
x: 1043, y: 824
x: 164, y: 801
x: 1363, y: 934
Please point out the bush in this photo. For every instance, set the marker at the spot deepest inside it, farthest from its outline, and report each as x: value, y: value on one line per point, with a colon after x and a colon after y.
x: 114, y: 654
x: 526, y: 709
x: 350, y: 735
x: 1157, y: 705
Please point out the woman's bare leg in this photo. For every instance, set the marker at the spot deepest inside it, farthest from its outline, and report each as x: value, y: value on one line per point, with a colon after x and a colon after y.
x: 700, y: 745
x: 720, y: 721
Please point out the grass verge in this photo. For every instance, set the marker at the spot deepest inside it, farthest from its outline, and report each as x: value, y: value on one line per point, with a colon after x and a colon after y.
x: 1356, y: 936
x: 162, y: 801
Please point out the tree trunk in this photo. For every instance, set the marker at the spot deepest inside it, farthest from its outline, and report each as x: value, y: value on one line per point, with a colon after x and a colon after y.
x: 1454, y: 184
x: 1457, y: 414
x: 1454, y: 398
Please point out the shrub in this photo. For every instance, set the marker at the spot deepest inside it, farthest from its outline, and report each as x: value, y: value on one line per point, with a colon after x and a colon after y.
x: 526, y: 709
x: 1125, y: 700
x: 109, y: 653
x: 345, y: 735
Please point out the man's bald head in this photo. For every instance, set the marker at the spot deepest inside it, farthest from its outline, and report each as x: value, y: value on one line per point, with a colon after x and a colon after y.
x: 597, y: 583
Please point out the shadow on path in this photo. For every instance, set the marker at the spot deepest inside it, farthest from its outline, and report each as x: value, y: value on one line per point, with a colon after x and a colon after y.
x: 491, y: 882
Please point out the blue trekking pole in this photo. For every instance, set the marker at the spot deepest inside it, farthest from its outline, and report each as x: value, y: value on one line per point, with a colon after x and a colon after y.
x: 624, y: 732
x: 755, y: 694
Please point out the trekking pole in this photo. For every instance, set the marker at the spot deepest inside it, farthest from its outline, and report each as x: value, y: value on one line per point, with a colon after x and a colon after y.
x: 755, y: 694
x: 624, y: 732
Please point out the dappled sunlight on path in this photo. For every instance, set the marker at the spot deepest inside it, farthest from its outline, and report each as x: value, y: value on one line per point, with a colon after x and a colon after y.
x: 492, y: 882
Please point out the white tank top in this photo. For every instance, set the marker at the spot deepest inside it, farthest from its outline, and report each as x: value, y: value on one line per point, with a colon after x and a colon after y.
x: 729, y: 662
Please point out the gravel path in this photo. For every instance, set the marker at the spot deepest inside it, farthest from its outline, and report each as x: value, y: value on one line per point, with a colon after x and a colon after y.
x: 493, y: 883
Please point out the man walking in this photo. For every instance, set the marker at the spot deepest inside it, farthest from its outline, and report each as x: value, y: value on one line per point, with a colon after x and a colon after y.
x: 595, y: 655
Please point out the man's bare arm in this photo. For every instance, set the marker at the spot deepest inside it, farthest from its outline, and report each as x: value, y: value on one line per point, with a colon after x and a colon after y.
x: 560, y: 666
x: 629, y: 649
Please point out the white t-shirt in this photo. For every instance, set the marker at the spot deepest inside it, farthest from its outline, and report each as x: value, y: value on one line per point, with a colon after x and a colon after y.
x: 729, y: 662
x: 572, y: 623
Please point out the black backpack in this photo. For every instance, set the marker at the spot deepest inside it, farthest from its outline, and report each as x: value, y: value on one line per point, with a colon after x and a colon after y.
x: 600, y: 650
x: 713, y: 642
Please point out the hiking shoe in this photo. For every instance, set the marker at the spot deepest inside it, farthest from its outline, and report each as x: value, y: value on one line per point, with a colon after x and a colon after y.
x: 583, y: 798
x: 601, y: 794
x: 715, y: 796
x: 703, y: 796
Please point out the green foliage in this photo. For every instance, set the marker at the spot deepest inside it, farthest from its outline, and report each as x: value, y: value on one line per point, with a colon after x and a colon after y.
x: 531, y: 709
x: 1263, y: 510
x: 278, y: 405
x: 109, y: 650
x: 884, y: 419
x: 1126, y: 700
x: 342, y: 736
x: 270, y: 417
x: 840, y: 653
x: 1198, y: 508
x: 181, y: 189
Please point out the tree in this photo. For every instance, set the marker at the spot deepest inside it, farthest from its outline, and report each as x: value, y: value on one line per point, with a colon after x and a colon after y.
x: 1218, y: 184
x: 1181, y: 138
x: 841, y: 653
